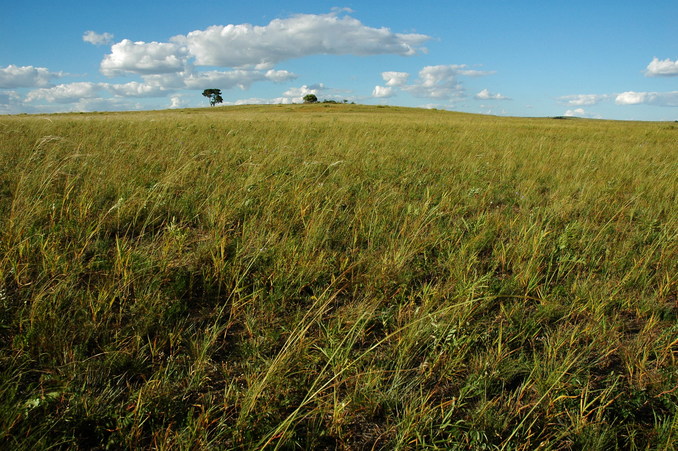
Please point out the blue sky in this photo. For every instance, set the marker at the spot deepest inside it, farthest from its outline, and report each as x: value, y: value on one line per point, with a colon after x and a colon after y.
x: 604, y: 59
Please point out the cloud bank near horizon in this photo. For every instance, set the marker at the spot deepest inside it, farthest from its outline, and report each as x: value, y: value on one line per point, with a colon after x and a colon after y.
x: 249, y: 52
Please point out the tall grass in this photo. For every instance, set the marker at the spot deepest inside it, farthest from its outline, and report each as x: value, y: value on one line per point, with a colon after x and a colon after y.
x: 337, y: 276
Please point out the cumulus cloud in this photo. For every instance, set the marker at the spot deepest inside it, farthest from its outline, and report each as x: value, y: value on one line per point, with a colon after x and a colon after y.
x: 177, y: 101
x: 433, y: 82
x: 66, y: 93
x: 171, y: 81
x: 487, y: 95
x: 246, y: 45
x: 577, y: 112
x: 648, y: 98
x: 26, y: 77
x: 662, y: 68
x: 382, y: 92
x: 96, y: 38
x: 581, y: 112
x: 280, y: 76
x: 583, y: 99
x: 156, y: 85
x: 106, y: 104
x: 436, y: 82
x: 144, y: 58
x: 395, y: 78
x: 240, y: 78
x: 136, y: 89
x: 300, y: 92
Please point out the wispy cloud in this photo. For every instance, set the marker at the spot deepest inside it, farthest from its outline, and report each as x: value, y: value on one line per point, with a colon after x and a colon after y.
x: 97, y: 38
x: 625, y: 98
x: 485, y: 94
x: 584, y: 99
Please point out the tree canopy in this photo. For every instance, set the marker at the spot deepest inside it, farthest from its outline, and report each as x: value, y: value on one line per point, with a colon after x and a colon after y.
x: 214, y: 96
x: 310, y: 98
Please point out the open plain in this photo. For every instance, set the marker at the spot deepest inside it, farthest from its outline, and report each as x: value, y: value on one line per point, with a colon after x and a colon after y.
x: 337, y: 277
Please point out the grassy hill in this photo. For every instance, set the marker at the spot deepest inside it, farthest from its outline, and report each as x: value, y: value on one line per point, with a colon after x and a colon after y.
x: 337, y: 276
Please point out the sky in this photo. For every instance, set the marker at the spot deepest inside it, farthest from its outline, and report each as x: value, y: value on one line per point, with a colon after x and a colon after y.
x: 595, y: 59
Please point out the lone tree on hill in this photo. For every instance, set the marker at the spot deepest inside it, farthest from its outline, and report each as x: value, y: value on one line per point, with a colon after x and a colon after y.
x: 214, y: 95
x: 310, y: 98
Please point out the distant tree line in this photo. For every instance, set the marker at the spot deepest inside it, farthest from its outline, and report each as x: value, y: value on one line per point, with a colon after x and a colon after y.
x: 312, y: 98
x: 214, y: 96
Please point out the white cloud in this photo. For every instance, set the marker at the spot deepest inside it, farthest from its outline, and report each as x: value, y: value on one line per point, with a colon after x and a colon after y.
x: 436, y: 82
x: 487, y: 95
x: 648, y: 98
x: 631, y: 98
x: 304, y: 90
x: 144, y: 58
x: 178, y: 101
x: 581, y: 112
x: 240, y: 78
x: 395, y: 78
x: 433, y: 82
x: 136, y: 89
x: 472, y: 72
x: 66, y: 93
x: 296, y: 95
x: 301, y: 35
x: 662, y: 68
x: 157, y: 85
x: 575, y: 113
x: 247, y: 47
x: 168, y: 81
x: 259, y: 47
x: 96, y: 38
x: 26, y: 77
x: 583, y: 99
x: 382, y: 92
x: 279, y: 76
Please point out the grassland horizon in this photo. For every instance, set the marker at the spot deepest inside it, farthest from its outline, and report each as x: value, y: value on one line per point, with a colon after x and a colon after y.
x: 337, y: 276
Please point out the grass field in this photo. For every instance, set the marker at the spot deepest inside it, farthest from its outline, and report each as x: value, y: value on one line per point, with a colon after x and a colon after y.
x: 337, y: 277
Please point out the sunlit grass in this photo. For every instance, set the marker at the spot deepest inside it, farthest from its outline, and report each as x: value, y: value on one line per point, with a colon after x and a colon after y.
x: 337, y: 276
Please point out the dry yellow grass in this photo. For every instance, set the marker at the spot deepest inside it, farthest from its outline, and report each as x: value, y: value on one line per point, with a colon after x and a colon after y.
x: 337, y: 276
